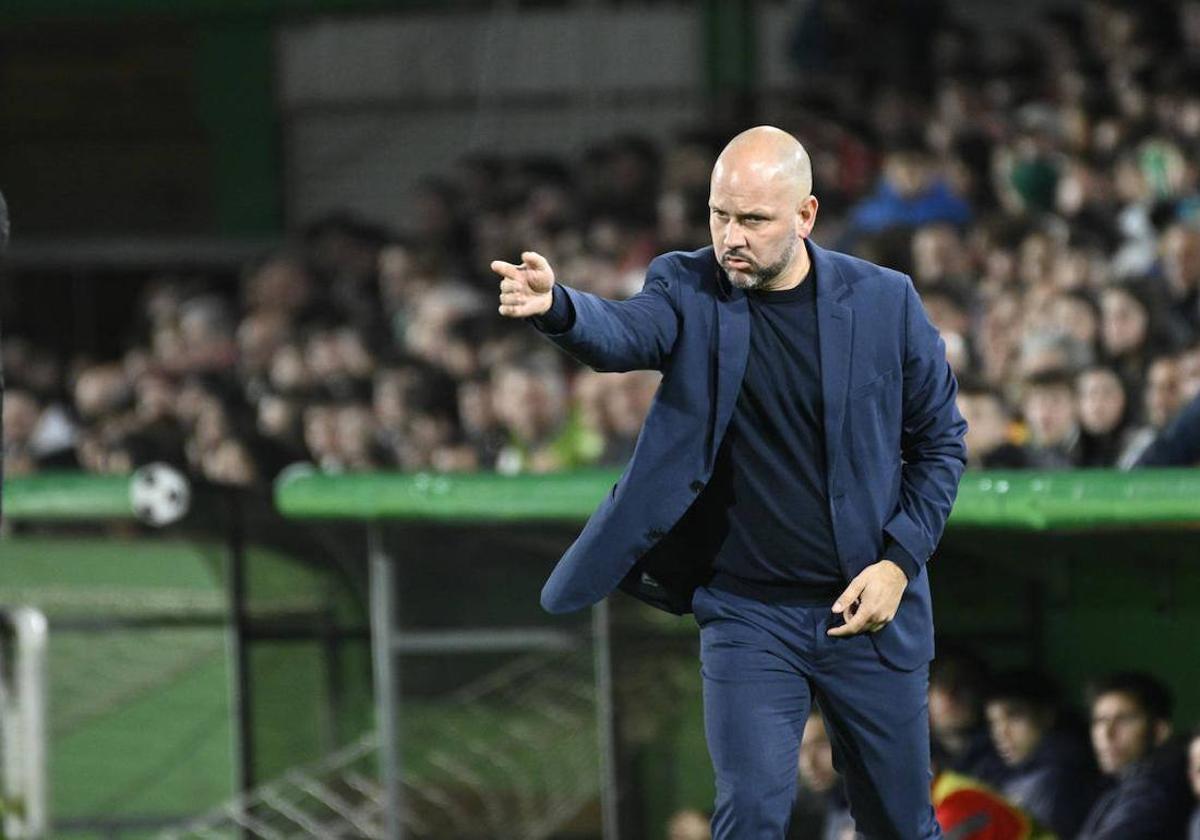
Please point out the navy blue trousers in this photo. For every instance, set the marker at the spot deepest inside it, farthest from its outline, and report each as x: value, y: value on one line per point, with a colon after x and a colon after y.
x: 763, y: 666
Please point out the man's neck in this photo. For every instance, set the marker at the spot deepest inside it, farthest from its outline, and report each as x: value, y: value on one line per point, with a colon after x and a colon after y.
x: 796, y: 273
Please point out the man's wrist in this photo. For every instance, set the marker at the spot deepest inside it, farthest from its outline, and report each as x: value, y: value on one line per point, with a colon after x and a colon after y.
x: 558, y: 317
x: 898, y: 555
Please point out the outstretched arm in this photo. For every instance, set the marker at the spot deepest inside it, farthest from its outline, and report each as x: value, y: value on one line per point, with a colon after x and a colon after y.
x: 606, y: 335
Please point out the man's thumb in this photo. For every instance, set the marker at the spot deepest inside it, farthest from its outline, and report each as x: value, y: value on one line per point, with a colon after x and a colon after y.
x: 534, y: 260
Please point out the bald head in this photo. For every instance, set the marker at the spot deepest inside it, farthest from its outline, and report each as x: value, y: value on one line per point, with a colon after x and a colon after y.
x: 765, y: 156
x: 761, y: 207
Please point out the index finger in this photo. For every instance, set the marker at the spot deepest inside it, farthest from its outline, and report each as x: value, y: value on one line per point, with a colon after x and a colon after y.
x: 506, y: 269
x: 852, y: 627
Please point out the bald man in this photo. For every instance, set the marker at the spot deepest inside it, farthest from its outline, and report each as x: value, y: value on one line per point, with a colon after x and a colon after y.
x: 789, y: 484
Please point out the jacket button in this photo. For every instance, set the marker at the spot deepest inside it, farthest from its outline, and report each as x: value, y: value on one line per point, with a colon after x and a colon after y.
x: 696, y: 486
x: 655, y: 534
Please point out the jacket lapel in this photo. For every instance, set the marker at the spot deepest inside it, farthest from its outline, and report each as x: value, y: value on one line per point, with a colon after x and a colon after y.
x: 835, y: 332
x: 733, y: 349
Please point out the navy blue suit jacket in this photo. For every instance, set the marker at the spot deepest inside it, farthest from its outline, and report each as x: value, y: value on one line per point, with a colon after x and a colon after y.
x: 894, y: 437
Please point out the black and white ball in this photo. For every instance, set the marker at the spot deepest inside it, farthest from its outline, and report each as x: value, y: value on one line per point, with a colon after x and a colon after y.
x: 159, y: 494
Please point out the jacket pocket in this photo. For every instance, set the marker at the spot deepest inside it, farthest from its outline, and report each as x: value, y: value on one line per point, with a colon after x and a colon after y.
x: 874, y: 383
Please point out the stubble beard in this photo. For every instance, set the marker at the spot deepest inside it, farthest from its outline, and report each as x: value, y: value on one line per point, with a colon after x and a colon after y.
x: 762, y: 278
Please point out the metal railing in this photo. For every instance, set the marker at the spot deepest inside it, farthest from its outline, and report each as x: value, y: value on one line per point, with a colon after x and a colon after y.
x: 510, y: 755
x: 23, y: 789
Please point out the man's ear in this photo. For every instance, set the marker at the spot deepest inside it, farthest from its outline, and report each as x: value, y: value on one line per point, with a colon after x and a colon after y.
x: 806, y: 216
x: 1162, y: 731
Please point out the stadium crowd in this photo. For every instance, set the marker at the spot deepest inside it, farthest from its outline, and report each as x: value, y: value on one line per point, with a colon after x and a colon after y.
x: 1042, y: 190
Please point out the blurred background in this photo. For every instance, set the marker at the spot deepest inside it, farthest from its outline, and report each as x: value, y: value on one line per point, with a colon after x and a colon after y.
x: 250, y: 241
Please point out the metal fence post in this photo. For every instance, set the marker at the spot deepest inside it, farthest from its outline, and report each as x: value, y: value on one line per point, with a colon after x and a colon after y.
x: 239, y: 656
x: 387, y: 690
x: 605, y: 721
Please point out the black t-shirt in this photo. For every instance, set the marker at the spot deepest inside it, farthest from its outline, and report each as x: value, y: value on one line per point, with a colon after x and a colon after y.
x: 765, y: 512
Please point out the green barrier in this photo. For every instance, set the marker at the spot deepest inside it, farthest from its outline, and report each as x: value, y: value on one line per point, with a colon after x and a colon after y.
x: 1072, y: 499
x: 1023, y: 500
x: 63, y: 496
x: 445, y: 496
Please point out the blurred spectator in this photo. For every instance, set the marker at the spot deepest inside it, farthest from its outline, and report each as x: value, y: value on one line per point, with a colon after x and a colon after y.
x: 21, y: 413
x: 1178, y: 445
x: 1050, y: 773
x: 533, y: 407
x: 989, y: 433
x: 939, y: 260
x: 911, y: 192
x: 1189, y: 373
x: 1102, y: 416
x: 1126, y: 335
x: 818, y: 776
x: 1050, y: 412
x: 1160, y: 405
x: 688, y: 824
x: 1180, y: 248
x: 1148, y: 796
x: 958, y: 684
x: 481, y: 428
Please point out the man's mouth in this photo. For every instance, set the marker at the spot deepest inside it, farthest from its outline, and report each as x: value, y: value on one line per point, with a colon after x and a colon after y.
x: 737, y: 263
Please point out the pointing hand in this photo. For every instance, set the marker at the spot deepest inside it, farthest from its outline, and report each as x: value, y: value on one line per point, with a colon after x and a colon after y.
x: 525, y: 289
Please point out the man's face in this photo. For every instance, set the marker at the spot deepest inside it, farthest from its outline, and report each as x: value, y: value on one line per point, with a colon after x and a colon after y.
x: 1124, y: 321
x: 816, y: 757
x: 1189, y: 375
x: 1122, y: 732
x: 987, y: 426
x: 1162, y: 392
x: 756, y: 225
x: 1101, y: 401
x: 1075, y: 318
x: 948, y: 715
x: 1050, y: 410
x: 1016, y: 730
x: 937, y: 253
x: 1181, y: 258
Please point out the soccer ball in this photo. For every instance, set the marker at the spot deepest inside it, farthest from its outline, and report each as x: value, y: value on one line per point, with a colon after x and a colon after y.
x: 159, y: 494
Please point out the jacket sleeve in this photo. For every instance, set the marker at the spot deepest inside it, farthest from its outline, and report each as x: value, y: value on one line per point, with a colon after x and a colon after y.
x: 618, y: 335
x: 931, y: 443
x: 1144, y: 809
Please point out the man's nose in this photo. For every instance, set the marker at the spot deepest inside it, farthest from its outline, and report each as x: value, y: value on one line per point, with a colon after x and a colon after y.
x: 734, y: 235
